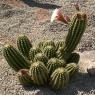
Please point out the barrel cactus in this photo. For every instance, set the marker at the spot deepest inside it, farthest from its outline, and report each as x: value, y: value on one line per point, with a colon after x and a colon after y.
x: 41, y: 57
x: 76, y: 30
x: 73, y: 58
x: 72, y: 68
x: 15, y: 59
x: 39, y: 73
x: 49, y: 43
x: 53, y: 64
x: 59, y: 44
x: 50, y: 51
x: 40, y: 45
x: 33, y: 51
x: 24, y: 45
x: 24, y: 77
x: 59, y: 78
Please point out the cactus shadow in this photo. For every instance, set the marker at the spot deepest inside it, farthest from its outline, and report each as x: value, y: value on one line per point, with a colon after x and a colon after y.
x: 40, y: 90
x: 80, y: 84
x: 32, y: 3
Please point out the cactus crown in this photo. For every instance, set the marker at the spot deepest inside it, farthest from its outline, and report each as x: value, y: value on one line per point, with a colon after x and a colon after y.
x: 59, y: 78
x: 49, y: 43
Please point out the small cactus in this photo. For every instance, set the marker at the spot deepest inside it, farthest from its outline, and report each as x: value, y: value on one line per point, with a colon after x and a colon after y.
x: 73, y: 58
x: 24, y: 77
x: 72, y: 68
x: 59, y: 78
x: 33, y: 51
x: 49, y: 43
x: 41, y: 57
x: 59, y: 44
x: 24, y: 45
x: 53, y: 64
x: 40, y: 45
x: 15, y: 59
x: 50, y: 52
x: 39, y: 73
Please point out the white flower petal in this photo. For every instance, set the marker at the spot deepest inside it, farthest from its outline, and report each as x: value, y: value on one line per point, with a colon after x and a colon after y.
x: 54, y: 14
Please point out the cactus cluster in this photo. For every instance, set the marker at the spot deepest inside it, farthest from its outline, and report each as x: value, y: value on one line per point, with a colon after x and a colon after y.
x: 49, y: 62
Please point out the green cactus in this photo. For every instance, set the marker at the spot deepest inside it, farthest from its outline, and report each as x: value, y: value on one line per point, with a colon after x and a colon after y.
x: 59, y: 44
x: 76, y: 30
x: 62, y: 62
x: 49, y: 43
x: 72, y: 68
x: 53, y: 64
x: 50, y: 52
x: 33, y: 51
x: 40, y: 45
x: 59, y: 52
x: 41, y: 57
x: 39, y: 73
x: 24, y: 45
x: 73, y: 58
x: 59, y: 78
x: 15, y: 59
x: 24, y: 77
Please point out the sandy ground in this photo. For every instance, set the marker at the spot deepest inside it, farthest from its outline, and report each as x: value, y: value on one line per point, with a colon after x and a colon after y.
x: 32, y: 18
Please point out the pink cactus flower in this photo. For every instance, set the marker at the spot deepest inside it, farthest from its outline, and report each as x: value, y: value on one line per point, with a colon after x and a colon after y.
x: 57, y: 15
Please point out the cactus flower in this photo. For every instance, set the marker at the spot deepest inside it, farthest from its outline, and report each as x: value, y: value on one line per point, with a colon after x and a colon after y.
x: 57, y: 15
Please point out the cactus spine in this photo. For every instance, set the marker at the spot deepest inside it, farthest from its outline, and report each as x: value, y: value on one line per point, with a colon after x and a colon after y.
x: 76, y: 30
x: 15, y: 59
x: 39, y: 73
x: 24, y: 77
x: 73, y: 58
x: 41, y: 57
x: 33, y: 52
x: 24, y: 45
x: 59, y: 78
x: 72, y: 68
x: 50, y: 52
x: 53, y: 64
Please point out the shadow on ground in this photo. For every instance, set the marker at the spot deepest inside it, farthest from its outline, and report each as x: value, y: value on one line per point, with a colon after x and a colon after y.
x: 81, y: 83
x: 32, y: 3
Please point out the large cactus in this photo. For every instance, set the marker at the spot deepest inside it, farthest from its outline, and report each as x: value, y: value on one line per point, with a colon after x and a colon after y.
x: 76, y: 30
x: 39, y: 73
x: 50, y: 51
x: 24, y: 45
x: 15, y: 59
x: 72, y: 68
x: 33, y: 51
x: 41, y: 57
x: 53, y: 64
x: 59, y: 78
x: 24, y: 77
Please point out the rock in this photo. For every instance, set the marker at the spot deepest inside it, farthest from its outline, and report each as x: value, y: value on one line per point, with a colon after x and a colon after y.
x: 87, y: 61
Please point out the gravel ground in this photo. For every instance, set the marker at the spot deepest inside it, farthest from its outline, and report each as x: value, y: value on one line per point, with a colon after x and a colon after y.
x: 33, y: 20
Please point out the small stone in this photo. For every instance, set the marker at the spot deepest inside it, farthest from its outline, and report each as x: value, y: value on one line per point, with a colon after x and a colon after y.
x: 91, y: 71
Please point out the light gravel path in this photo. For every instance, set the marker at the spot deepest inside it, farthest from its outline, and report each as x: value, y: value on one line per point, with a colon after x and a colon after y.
x: 34, y: 21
